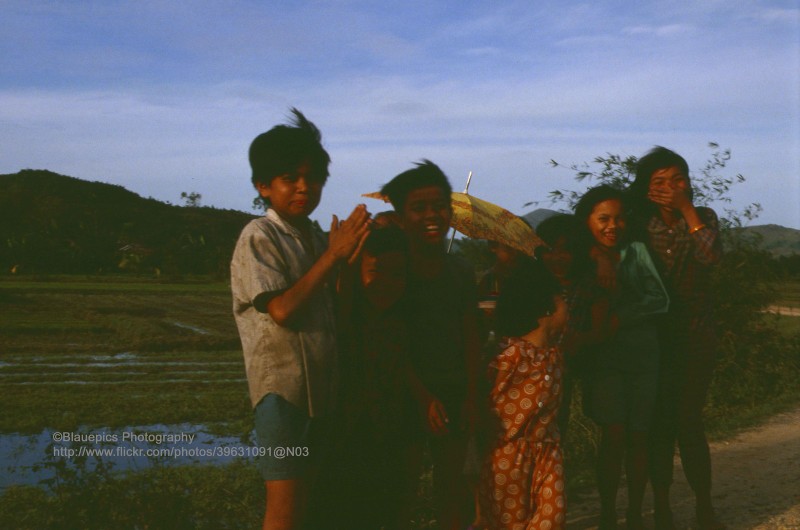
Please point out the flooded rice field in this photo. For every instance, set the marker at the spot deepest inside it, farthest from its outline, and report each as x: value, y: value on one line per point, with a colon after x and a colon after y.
x: 118, y: 374
x: 33, y: 458
x: 30, y: 459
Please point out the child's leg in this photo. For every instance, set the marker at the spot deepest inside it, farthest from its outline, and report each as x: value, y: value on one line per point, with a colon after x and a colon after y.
x: 471, y: 471
x: 694, y: 350
x: 477, y: 521
x: 285, y: 504
x: 412, y: 466
x: 636, y: 473
x: 642, y: 394
x: 660, y: 461
x: 450, y: 490
x: 280, y: 424
x: 609, y: 469
x: 694, y: 451
x: 663, y: 431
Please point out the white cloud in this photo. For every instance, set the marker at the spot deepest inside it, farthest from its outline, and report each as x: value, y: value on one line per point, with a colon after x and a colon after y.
x: 659, y: 31
x: 785, y: 15
x: 166, y: 98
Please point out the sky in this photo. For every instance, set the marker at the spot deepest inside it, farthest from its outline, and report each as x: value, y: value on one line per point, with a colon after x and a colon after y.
x: 165, y: 97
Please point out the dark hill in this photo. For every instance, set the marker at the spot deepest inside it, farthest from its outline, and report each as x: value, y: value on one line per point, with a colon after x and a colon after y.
x: 51, y: 223
x: 775, y: 239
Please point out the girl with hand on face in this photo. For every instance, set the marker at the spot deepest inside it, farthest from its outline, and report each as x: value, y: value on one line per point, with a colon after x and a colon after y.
x: 624, y: 374
x: 684, y: 242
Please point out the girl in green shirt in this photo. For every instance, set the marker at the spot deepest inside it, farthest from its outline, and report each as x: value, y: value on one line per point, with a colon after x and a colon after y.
x: 624, y: 374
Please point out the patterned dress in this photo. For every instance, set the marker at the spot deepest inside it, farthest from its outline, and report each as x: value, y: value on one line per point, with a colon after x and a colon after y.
x: 522, y: 486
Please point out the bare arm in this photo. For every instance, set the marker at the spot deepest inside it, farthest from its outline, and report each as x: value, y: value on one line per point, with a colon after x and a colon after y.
x: 704, y: 232
x: 472, y: 361
x: 708, y: 245
x: 606, y: 267
x: 345, y: 237
x: 676, y: 199
x: 603, y: 322
x: 433, y: 409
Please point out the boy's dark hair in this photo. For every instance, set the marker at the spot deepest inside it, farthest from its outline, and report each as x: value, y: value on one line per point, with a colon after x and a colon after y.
x: 657, y: 158
x: 386, y: 239
x: 284, y: 148
x: 527, y: 295
x: 554, y: 228
x: 425, y: 174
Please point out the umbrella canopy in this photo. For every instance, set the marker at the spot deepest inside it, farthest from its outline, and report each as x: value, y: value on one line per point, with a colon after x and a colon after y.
x: 479, y: 219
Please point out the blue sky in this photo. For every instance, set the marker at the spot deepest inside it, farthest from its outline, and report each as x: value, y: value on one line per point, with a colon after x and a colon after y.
x: 164, y: 97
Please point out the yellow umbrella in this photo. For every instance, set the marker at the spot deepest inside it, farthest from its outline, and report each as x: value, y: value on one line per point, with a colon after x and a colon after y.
x: 479, y: 219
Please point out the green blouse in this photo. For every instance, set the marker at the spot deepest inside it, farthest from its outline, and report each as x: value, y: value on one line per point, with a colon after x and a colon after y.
x: 641, y: 292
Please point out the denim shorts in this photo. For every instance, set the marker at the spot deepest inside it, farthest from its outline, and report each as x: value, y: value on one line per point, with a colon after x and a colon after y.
x: 284, y: 435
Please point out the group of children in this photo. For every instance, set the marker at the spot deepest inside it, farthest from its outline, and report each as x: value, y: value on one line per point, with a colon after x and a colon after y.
x: 363, y: 350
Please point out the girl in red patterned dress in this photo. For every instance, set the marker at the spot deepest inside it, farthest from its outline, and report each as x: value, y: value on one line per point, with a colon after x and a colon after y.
x: 522, y: 486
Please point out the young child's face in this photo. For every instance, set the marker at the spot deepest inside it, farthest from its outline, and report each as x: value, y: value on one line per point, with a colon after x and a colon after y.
x: 606, y: 223
x: 558, y: 258
x: 503, y: 254
x: 383, y: 277
x: 426, y: 215
x: 668, y: 177
x: 293, y: 195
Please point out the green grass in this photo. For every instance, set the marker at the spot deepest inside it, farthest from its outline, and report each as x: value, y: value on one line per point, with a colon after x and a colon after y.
x: 789, y: 294
x: 110, y: 284
x: 174, y: 498
x: 110, y: 352
x: 114, y: 352
x: 787, y: 325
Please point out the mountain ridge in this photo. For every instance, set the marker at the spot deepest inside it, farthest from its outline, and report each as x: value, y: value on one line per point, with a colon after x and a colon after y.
x: 53, y: 223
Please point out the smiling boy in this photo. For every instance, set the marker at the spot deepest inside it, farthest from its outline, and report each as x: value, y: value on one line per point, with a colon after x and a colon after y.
x: 443, y: 332
x: 281, y: 275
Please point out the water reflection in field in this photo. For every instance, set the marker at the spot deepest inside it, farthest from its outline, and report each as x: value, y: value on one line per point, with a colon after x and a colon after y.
x: 32, y: 459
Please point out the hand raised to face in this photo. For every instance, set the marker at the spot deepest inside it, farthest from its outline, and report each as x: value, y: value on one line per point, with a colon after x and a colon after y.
x: 669, y: 188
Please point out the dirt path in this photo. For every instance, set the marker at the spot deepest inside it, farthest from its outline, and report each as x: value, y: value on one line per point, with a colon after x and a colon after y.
x: 756, y: 483
x: 783, y: 310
